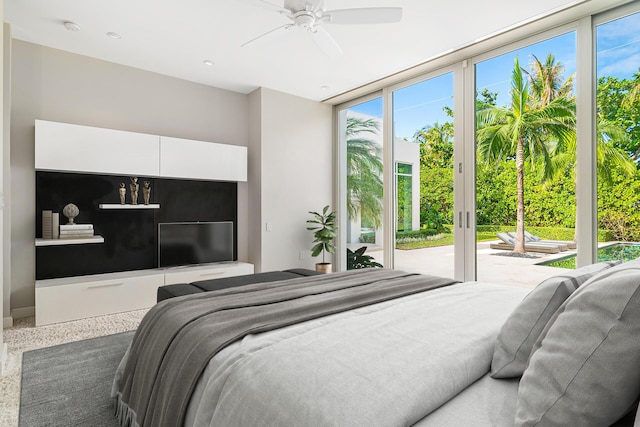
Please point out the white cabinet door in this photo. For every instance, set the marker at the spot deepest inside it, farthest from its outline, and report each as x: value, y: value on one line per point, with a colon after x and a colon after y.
x: 185, y: 158
x: 75, y: 148
x: 96, y: 295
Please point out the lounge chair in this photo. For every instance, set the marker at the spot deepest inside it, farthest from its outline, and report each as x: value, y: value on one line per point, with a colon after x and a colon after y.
x: 528, y: 237
x: 508, y: 243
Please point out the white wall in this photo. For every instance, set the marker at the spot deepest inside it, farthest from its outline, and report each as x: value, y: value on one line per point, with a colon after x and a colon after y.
x: 409, y: 153
x: 6, y: 176
x: 50, y: 84
x: 296, y: 160
x: 254, y: 180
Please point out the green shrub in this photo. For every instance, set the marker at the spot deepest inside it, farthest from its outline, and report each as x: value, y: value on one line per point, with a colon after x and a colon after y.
x: 369, y: 237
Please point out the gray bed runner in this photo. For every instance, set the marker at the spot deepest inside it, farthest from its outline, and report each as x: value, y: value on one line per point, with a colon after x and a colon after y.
x: 178, y: 337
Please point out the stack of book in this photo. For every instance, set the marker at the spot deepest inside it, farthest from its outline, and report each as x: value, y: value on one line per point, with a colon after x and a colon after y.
x: 76, y: 231
x: 47, y: 224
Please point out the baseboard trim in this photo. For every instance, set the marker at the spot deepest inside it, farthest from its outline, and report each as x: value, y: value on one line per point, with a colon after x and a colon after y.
x: 7, y: 322
x: 22, y: 312
x: 3, y: 359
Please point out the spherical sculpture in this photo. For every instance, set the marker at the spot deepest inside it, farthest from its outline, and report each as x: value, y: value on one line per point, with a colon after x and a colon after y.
x: 70, y: 211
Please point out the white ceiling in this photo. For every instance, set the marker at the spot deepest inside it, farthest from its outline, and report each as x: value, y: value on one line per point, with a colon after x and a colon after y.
x: 174, y: 37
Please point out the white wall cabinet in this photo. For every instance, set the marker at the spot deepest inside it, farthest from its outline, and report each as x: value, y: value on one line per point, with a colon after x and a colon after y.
x: 73, y: 298
x: 185, y: 158
x: 75, y: 148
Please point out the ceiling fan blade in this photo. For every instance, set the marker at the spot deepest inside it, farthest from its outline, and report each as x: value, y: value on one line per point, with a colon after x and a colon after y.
x: 326, y: 42
x: 269, y: 35
x: 365, y: 15
x: 268, y: 5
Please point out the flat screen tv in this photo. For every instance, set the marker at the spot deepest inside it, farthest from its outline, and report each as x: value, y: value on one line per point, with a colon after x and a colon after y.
x: 188, y: 243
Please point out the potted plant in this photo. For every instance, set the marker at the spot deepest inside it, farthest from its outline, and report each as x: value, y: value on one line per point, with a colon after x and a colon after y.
x: 324, y: 231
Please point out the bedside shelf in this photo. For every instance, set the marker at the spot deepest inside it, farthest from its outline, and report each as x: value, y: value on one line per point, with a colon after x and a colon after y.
x: 118, y: 206
x: 79, y: 241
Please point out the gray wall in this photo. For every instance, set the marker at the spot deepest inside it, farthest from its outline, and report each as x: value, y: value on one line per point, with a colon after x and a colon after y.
x: 50, y: 84
x: 289, y: 139
x: 295, y: 159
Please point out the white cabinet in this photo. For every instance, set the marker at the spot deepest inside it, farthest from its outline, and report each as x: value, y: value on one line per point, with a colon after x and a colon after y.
x: 80, y: 297
x: 207, y: 272
x: 184, y: 158
x: 72, y: 298
x: 75, y: 148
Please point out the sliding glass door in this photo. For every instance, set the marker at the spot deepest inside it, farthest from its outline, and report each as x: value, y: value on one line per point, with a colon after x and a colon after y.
x: 525, y: 157
x: 423, y: 148
x: 508, y: 166
x: 361, y: 145
x: 618, y: 137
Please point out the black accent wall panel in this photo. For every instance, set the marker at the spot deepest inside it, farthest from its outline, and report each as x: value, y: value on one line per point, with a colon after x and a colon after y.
x: 130, y: 235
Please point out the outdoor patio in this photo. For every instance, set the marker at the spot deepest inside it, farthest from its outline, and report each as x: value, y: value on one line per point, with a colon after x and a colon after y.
x: 492, y: 267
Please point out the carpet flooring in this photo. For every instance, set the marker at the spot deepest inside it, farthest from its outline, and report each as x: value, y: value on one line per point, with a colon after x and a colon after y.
x: 70, y: 384
x: 24, y: 336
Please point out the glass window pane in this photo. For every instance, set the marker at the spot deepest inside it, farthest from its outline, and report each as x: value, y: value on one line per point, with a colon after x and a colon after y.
x: 525, y: 162
x: 423, y: 152
x: 618, y: 137
x: 361, y: 126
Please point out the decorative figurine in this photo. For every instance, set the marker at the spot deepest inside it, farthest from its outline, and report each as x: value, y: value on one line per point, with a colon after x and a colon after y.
x: 146, y: 192
x: 134, y: 190
x: 123, y: 192
x: 70, y: 211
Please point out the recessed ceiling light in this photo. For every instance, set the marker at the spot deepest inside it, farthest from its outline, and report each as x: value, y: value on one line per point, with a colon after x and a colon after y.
x: 71, y: 26
x: 208, y: 62
x: 114, y: 35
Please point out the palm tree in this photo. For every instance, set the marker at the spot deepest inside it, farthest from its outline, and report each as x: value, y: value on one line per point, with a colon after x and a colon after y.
x: 526, y: 130
x: 364, y: 171
x: 634, y: 93
x: 546, y: 82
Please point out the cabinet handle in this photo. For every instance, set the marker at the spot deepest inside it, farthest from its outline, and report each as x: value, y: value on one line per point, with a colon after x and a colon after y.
x: 105, y: 285
x: 217, y: 273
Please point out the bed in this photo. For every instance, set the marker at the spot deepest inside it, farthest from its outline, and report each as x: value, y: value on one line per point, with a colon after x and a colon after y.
x: 416, y: 351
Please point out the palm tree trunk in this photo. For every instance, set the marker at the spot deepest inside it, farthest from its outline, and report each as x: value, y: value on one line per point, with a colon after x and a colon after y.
x: 519, y: 246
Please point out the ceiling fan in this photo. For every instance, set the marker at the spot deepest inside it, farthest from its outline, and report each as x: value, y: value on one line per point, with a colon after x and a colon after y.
x: 310, y: 15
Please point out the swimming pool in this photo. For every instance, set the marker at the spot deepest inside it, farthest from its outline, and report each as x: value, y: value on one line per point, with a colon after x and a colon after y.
x: 622, y: 251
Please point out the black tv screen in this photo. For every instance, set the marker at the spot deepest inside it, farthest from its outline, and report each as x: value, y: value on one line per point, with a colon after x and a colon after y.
x: 187, y: 243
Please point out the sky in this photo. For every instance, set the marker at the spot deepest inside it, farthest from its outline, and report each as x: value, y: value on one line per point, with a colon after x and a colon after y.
x: 617, y: 55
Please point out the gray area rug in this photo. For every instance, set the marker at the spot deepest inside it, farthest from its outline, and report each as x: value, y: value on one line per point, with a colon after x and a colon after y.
x: 70, y: 384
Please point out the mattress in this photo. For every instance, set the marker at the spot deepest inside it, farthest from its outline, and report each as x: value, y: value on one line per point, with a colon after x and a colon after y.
x: 389, y: 364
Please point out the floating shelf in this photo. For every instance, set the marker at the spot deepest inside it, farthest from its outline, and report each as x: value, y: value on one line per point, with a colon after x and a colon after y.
x: 78, y: 241
x: 118, y: 206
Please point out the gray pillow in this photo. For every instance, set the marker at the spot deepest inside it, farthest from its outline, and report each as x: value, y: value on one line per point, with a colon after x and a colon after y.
x: 524, y: 325
x: 583, y: 369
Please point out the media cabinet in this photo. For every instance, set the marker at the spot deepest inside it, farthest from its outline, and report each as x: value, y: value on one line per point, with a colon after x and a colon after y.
x: 113, y: 155
x: 79, y: 297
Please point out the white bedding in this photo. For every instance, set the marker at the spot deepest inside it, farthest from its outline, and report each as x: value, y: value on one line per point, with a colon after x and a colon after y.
x: 387, y: 365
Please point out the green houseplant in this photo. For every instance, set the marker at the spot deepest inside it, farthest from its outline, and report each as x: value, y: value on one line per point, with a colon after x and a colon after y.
x: 357, y: 259
x: 324, y: 231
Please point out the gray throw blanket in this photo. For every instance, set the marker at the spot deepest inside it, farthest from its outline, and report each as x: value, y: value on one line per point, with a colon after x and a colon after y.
x: 178, y: 337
